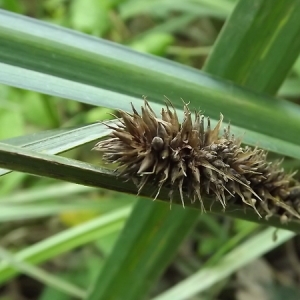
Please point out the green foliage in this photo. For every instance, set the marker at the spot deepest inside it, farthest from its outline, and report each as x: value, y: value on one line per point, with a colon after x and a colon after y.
x: 42, y: 66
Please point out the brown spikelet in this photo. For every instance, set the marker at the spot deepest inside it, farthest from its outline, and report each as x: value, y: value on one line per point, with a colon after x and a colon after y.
x: 196, y: 160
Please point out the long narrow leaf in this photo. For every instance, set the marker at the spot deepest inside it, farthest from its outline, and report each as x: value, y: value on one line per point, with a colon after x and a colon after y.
x: 61, y: 62
x: 147, y: 244
x: 70, y: 170
x: 266, y: 42
x: 92, y: 95
x: 51, y: 191
x: 59, y: 140
x: 9, y: 213
x: 41, y: 275
x: 233, y: 261
x: 67, y: 240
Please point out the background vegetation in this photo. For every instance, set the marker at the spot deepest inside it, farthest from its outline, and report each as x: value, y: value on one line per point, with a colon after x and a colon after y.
x: 78, y: 241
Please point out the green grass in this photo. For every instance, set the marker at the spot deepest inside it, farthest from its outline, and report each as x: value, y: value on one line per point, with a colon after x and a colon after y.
x: 57, y: 85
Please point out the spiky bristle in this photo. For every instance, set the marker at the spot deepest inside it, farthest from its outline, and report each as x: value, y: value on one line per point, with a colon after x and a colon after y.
x: 198, y: 162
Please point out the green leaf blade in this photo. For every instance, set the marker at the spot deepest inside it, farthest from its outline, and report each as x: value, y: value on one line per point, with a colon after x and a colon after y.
x: 59, y: 140
x: 94, y: 71
x: 143, y: 252
x: 265, y: 42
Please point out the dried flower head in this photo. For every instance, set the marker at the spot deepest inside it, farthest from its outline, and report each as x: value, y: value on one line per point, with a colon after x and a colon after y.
x: 196, y: 160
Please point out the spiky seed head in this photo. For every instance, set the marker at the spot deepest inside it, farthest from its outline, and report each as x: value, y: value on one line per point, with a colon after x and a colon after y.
x: 196, y: 160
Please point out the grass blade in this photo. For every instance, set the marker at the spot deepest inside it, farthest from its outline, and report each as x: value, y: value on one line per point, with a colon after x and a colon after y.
x: 142, y: 252
x: 41, y: 275
x: 58, y: 141
x: 67, y: 240
x: 236, y: 259
x: 266, y: 43
x: 51, y: 191
x: 67, y: 64
x: 70, y: 170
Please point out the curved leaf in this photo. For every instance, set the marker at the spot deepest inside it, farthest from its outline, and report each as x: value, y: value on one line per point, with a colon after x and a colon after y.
x: 230, y: 263
x: 143, y: 252
x: 67, y: 240
x: 71, y: 170
x: 266, y: 44
x: 58, y: 140
x: 65, y: 63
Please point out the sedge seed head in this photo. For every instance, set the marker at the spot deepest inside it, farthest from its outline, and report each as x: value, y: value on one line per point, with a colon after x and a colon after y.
x: 198, y: 161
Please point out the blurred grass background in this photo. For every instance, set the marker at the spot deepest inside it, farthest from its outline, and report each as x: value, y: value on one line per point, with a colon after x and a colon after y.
x: 183, y: 31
